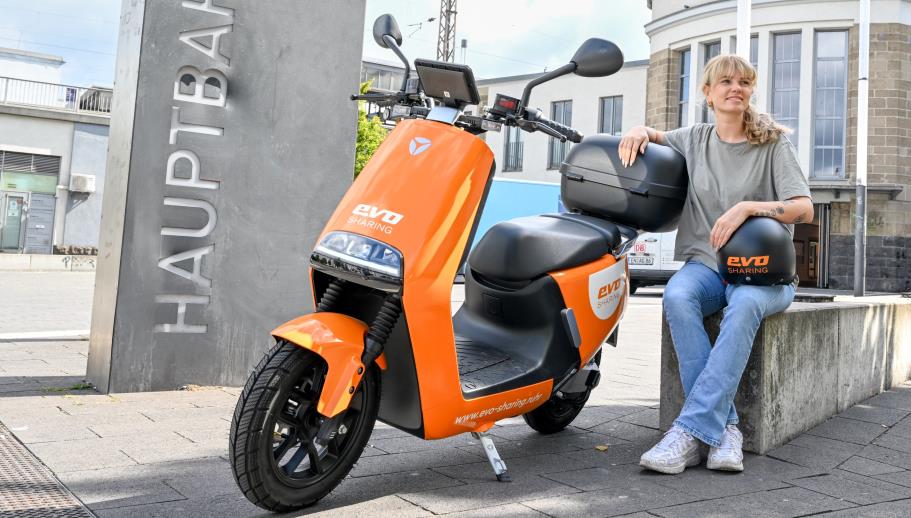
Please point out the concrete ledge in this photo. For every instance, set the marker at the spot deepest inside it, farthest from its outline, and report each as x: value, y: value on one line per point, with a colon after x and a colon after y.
x: 46, y: 262
x: 50, y: 113
x: 807, y: 364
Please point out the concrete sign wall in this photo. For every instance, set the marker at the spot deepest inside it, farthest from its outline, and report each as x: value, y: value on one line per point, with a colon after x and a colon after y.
x: 232, y: 139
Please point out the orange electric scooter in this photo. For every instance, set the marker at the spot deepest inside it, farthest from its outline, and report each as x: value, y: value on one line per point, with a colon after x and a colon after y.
x: 541, y: 296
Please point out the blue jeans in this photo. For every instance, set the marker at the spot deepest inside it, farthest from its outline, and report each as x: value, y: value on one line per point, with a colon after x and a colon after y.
x: 710, y: 375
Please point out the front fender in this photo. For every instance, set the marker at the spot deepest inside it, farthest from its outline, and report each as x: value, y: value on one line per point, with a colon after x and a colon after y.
x: 338, y: 339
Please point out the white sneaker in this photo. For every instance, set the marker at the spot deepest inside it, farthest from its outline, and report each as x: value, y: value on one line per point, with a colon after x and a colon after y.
x: 728, y: 456
x: 674, y: 453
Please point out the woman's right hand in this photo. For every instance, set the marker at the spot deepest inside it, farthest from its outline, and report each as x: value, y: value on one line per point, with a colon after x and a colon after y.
x: 633, y: 143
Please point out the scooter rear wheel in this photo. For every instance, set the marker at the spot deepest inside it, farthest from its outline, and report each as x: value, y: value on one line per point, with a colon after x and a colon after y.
x: 275, y: 461
x: 558, y: 412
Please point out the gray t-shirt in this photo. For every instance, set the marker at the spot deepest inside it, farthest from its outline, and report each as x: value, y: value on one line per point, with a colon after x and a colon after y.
x: 723, y: 174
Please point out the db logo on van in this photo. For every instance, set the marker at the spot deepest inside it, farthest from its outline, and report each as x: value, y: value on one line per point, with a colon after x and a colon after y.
x: 371, y: 212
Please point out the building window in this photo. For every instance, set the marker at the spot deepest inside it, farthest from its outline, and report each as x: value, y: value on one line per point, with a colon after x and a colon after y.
x: 754, y: 57
x: 830, y: 85
x: 562, y: 112
x: 710, y: 50
x: 786, y: 81
x: 684, y: 85
x: 754, y: 49
x: 611, y: 115
x: 512, y: 150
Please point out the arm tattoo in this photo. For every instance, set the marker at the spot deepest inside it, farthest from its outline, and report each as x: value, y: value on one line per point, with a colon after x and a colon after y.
x: 798, y: 219
x: 779, y: 209
x: 766, y: 213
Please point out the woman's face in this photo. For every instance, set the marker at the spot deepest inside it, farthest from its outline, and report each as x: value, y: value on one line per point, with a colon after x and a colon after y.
x: 729, y: 94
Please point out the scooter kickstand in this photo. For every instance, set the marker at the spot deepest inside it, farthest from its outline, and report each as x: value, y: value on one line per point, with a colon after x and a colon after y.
x: 499, y: 467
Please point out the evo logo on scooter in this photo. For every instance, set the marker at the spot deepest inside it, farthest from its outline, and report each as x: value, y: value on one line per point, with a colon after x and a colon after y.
x: 367, y: 216
x: 606, y: 289
x: 418, y: 145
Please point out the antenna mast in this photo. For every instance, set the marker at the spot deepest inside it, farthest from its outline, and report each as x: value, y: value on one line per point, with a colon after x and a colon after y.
x: 446, y: 39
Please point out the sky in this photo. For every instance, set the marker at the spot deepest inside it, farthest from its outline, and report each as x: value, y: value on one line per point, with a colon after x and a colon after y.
x: 83, y: 33
x: 513, y: 37
x: 505, y: 37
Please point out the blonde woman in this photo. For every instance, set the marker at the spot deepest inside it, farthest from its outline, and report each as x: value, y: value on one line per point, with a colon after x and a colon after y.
x: 740, y: 166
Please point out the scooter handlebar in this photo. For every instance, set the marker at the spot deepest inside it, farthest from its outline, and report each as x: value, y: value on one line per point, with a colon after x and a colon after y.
x: 556, y: 129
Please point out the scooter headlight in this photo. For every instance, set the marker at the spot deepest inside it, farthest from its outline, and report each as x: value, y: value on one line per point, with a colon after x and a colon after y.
x: 362, y: 252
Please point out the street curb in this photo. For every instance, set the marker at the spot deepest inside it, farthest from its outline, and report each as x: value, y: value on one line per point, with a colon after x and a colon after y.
x: 82, y: 334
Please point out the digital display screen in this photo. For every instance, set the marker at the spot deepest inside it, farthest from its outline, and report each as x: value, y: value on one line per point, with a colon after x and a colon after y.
x: 505, y: 105
x: 451, y: 83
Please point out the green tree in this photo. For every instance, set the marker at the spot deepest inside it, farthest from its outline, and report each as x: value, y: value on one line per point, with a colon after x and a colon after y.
x: 370, y: 134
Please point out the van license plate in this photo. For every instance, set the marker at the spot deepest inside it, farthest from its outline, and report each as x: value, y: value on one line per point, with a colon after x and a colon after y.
x: 642, y: 260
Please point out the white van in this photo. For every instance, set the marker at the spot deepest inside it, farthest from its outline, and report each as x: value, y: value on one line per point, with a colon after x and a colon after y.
x: 651, y: 261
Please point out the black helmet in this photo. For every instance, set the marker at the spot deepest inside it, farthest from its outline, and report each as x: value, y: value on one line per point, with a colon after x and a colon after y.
x: 760, y: 252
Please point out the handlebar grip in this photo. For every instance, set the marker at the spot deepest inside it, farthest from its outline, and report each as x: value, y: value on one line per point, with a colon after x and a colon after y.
x: 566, y: 131
x: 570, y: 134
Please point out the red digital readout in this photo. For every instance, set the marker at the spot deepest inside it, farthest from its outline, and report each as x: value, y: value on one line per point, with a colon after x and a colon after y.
x: 509, y: 104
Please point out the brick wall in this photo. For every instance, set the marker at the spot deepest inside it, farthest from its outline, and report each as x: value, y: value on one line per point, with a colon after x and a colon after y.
x: 887, y: 260
x: 889, y: 160
x: 661, y: 90
x: 889, y: 144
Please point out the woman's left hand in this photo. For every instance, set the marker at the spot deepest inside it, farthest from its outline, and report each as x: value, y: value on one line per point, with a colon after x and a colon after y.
x: 726, y: 225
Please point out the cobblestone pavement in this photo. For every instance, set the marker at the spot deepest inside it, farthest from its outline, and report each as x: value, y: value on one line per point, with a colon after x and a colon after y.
x: 164, y: 454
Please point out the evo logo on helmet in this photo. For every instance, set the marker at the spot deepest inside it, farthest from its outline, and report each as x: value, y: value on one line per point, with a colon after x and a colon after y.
x: 606, y: 289
x: 374, y: 218
x: 748, y: 265
x: 759, y: 260
x: 418, y: 145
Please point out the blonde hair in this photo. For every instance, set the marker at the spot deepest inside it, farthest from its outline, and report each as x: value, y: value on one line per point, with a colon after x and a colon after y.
x: 759, y: 126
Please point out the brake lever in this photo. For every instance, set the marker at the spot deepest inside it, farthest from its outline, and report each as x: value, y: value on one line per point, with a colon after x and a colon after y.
x: 550, y: 131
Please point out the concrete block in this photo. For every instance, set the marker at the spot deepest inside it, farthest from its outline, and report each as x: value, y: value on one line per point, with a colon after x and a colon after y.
x: 49, y: 262
x: 83, y: 263
x: 808, y: 364
x: 15, y: 262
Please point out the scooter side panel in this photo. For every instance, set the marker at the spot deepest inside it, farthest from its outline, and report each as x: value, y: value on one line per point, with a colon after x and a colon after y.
x: 421, y: 193
x: 597, y: 293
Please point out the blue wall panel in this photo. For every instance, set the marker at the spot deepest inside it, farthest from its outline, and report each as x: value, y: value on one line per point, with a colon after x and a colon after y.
x: 513, y: 198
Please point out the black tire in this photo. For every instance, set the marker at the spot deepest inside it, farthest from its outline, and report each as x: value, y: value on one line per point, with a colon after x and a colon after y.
x: 633, y: 286
x: 275, y: 420
x: 557, y: 413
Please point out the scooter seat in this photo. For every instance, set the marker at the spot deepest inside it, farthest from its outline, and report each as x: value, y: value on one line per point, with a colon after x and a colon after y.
x: 525, y: 248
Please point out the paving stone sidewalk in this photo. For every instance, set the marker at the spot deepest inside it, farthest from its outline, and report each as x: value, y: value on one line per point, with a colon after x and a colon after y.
x: 164, y: 454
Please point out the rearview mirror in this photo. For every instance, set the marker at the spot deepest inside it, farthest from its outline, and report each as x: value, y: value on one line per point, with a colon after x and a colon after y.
x: 386, y: 26
x: 595, y: 58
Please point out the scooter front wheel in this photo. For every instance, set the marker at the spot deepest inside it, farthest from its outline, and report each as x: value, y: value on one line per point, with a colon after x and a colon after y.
x: 276, y: 462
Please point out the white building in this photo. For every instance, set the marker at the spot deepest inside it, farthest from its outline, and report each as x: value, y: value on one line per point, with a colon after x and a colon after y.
x: 590, y: 105
x: 53, y: 148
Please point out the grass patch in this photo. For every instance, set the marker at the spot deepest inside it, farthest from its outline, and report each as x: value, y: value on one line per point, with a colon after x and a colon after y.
x: 77, y: 386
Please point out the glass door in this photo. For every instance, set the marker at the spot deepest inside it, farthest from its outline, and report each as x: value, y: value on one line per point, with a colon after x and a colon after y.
x: 12, y: 217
